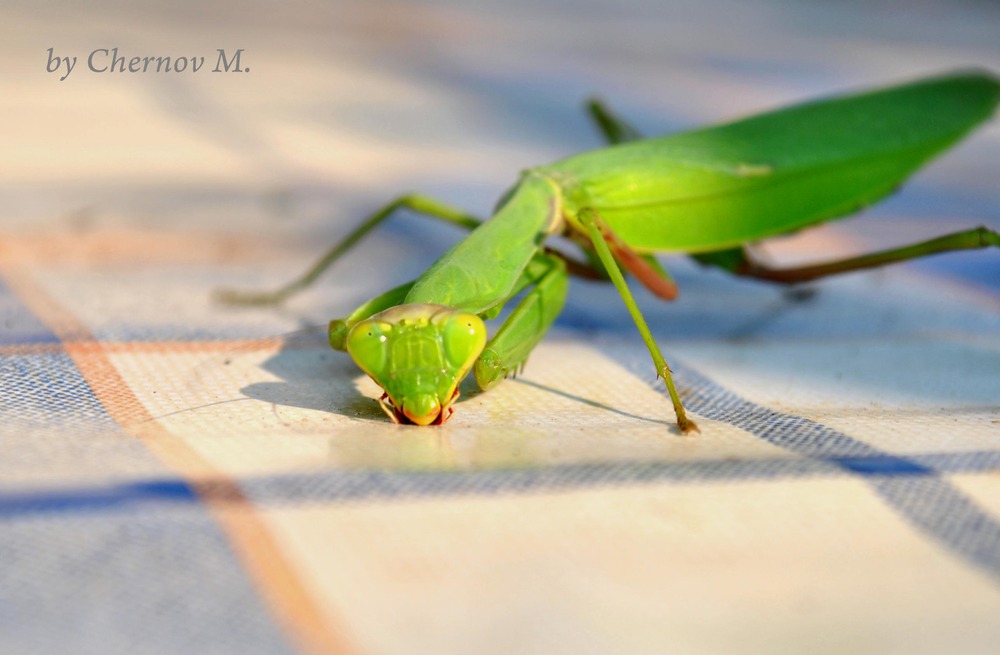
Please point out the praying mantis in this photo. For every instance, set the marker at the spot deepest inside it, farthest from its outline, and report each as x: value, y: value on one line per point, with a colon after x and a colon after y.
x: 706, y: 192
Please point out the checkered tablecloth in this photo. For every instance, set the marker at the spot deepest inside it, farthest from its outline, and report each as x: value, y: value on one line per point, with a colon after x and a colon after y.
x: 178, y: 476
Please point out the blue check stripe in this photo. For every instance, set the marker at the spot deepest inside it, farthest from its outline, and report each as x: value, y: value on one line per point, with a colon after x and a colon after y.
x: 161, y: 567
x: 368, y: 485
x: 913, y: 487
x: 20, y: 327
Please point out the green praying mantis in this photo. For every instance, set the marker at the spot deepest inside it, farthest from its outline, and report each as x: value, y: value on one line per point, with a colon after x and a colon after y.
x: 707, y: 193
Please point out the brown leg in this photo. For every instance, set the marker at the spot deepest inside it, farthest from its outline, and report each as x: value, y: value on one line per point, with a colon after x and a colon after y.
x: 645, y: 269
x: 980, y: 237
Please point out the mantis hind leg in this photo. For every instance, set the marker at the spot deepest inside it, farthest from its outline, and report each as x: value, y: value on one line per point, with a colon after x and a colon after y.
x: 600, y: 234
x: 742, y: 263
x: 418, y: 204
x: 509, y: 348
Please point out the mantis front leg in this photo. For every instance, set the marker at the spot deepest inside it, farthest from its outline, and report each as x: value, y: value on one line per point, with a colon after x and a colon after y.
x: 509, y: 348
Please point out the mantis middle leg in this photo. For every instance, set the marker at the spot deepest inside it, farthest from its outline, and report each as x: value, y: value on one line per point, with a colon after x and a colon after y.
x: 419, y: 204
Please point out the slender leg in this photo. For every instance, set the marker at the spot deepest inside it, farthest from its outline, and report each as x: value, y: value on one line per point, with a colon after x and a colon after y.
x: 980, y: 237
x: 613, y: 128
x: 645, y: 268
x: 420, y: 204
x: 509, y: 348
x: 596, y: 229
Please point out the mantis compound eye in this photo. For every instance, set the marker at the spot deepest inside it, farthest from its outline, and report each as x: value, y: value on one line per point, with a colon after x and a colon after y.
x: 463, y: 336
x: 368, y: 343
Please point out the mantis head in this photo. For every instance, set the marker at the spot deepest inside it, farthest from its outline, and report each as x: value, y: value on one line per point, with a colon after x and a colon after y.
x: 418, y: 354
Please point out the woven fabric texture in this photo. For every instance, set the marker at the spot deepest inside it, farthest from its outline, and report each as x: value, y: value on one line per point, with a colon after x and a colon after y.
x: 178, y: 476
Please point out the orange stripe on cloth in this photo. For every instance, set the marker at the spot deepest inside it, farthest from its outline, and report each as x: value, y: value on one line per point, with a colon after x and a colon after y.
x: 173, y: 347
x: 124, y: 245
x: 260, y: 554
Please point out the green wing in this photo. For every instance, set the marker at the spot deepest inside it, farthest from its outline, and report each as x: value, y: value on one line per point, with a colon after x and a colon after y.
x: 769, y: 174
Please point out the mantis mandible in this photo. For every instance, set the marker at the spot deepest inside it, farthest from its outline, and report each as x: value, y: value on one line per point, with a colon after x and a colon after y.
x: 707, y: 192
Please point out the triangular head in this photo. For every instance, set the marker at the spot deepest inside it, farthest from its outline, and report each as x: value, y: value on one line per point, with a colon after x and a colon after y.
x: 418, y: 353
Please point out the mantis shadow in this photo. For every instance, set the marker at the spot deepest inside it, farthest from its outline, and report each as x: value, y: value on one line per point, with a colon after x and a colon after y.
x: 313, y: 377
x: 593, y: 403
